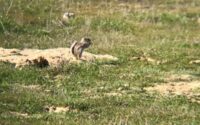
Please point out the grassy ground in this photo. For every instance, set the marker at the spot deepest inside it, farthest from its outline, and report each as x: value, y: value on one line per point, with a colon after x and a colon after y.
x: 100, y: 93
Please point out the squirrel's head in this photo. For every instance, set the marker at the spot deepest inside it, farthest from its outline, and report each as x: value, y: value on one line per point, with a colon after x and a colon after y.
x: 68, y: 15
x: 87, y: 41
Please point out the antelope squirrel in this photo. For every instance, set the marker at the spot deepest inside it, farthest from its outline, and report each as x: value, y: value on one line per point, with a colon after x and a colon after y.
x: 66, y: 17
x: 77, y: 48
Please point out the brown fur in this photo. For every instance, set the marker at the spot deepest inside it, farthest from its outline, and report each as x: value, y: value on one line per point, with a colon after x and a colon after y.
x: 77, y: 48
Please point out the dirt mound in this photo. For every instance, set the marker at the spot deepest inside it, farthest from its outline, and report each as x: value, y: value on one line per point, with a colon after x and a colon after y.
x: 47, y: 57
x: 178, y: 78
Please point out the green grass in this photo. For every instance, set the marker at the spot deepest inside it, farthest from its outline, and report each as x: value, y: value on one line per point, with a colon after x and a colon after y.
x: 165, y: 30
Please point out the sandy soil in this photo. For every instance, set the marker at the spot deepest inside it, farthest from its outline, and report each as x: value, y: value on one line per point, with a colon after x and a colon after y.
x: 54, y: 109
x: 178, y: 88
x: 185, y: 85
x: 48, y: 57
x: 195, y: 62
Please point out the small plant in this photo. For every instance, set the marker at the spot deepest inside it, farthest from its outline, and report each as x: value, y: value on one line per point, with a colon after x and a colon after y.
x: 173, y: 18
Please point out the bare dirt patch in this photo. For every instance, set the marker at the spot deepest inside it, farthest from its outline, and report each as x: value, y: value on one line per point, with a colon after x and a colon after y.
x: 113, y: 94
x: 31, y: 87
x: 59, y: 109
x: 48, y: 57
x: 21, y: 88
x: 148, y: 59
x: 179, y: 85
x: 25, y: 115
x: 194, y: 62
x: 178, y: 88
x: 22, y: 115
